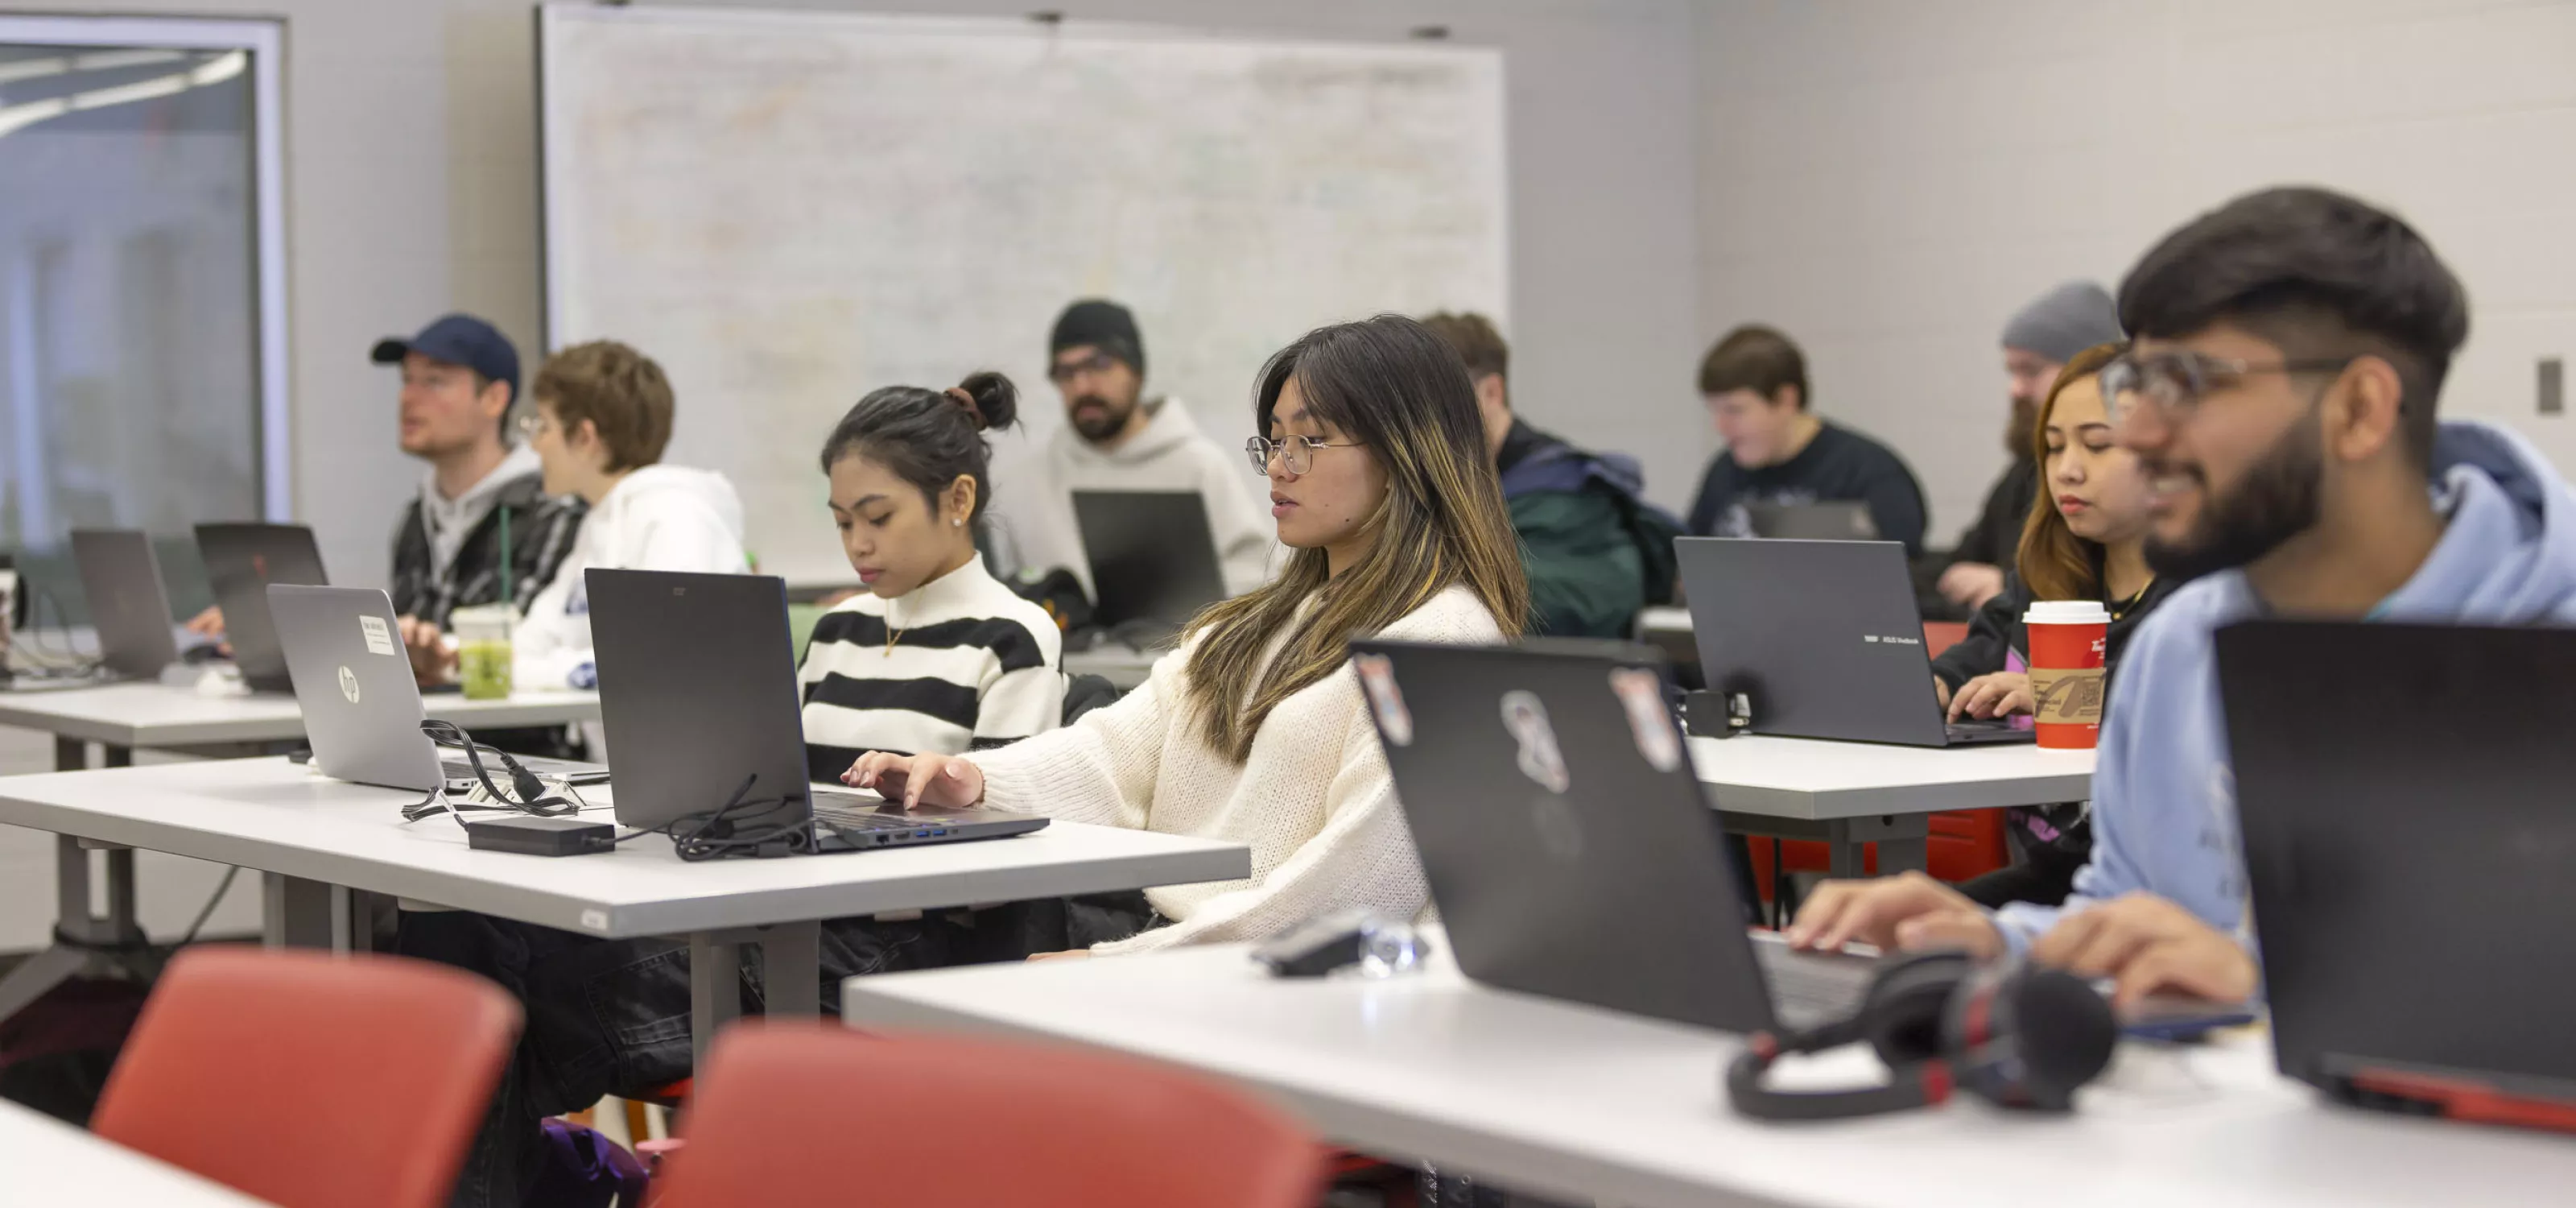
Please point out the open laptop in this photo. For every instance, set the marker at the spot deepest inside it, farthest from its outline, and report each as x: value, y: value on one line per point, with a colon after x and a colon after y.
x: 1152, y: 555
x: 361, y: 706
x: 127, y: 603
x: 1841, y: 520
x: 1569, y: 844
x: 697, y: 690
x: 2413, y: 895
x: 241, y: 561
x: 1822, y: 640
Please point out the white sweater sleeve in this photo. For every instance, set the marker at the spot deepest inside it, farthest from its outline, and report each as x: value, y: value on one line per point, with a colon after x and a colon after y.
x: 1099, y: 769
x: 1363, y: 857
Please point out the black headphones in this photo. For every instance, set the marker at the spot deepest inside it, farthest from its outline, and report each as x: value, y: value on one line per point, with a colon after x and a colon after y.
x: 2012, y: 1034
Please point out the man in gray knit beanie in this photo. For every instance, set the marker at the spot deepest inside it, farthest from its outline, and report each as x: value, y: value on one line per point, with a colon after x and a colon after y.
x: 2038, y: 341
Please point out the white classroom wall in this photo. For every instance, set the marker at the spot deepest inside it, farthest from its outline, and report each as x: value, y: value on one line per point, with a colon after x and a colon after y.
x: 1887, y: 181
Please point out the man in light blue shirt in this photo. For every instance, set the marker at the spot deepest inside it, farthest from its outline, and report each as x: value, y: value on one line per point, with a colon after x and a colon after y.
x: 2289, y: 349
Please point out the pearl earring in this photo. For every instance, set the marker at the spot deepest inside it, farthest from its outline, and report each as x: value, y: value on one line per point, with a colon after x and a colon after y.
x: 956, y: 524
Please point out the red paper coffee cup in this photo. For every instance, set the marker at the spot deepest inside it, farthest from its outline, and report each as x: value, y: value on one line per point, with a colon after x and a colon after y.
x: 2066, y: 677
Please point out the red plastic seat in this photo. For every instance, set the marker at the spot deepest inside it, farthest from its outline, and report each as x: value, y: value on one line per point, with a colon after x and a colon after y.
x: 311, y: 1080
x: 978, y: 1124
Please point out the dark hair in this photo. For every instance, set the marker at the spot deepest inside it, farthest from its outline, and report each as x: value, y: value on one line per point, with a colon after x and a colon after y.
x: 1391, y: 386
x: 2054, y: 563
x: 620, y: 391
x: 1478, y: 344
x: 1754, y: 358
x: 2318, y: 273
x: 929, y: 437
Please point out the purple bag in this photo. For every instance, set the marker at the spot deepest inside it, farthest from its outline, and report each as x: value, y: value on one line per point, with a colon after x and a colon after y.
x: 586, y: 1170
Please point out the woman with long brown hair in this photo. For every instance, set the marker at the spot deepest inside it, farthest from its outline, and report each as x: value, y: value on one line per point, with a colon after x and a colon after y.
x: 1254, y: 731
x: 2085, y: 540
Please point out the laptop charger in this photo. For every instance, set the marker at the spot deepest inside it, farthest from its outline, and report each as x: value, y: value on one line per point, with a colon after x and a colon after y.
x: 533, y: 836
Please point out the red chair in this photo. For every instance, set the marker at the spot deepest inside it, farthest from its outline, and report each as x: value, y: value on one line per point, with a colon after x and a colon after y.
x: 976, y: 1124
x: 311, y: 1080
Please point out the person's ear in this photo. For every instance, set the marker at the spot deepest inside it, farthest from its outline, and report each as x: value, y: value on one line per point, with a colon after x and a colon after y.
x: 957, y: 503
x: 2365, y: 410
x: 494, y: 400
x: 1491, y: 394
x: 1788, y: 397
x: 583, y: 437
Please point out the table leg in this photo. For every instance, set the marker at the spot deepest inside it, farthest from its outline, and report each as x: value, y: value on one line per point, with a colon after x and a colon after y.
x: 298, y: 913
x: 70, y: 754
x: 1902, y: 839
x: 1844, y: 856
x: 83, y: 942
x: 791, y: 968
x: 715, y: 990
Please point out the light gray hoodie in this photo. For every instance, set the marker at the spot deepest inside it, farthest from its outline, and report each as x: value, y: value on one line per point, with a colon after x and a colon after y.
x: 1033, y: 523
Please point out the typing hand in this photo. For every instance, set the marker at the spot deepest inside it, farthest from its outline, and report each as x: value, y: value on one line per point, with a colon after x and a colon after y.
x: 940, y: 780
x: 1941, y: 691
x: 2002, y: 694
x: 207, y: 624
x: 1971, y: 584
x: 2145, y: 944
x: 1909, y: 911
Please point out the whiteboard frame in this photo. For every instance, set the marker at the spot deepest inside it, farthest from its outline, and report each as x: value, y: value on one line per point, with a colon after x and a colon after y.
x: 550, y: 131
x: 265, y: 39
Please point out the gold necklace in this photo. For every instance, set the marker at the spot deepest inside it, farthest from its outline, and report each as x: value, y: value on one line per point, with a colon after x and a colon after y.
x: 2123, y: 610
x: 893, y: 634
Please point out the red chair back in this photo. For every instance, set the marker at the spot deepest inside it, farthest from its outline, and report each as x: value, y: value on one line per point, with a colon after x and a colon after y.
x: 311, y: 1080
x: 813, y: 1113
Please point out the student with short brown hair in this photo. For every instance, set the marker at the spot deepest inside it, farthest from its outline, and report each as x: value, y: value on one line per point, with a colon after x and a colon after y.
x: 1779, y: 451
x: 602, y: 417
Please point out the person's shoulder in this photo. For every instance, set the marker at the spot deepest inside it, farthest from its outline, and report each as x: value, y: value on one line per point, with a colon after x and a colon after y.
x: 2183, y: 623
x: 1861, y: 446
x: 1453, y: 615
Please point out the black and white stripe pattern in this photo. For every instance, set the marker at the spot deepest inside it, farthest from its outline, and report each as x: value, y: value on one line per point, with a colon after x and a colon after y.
x: 972, y: 665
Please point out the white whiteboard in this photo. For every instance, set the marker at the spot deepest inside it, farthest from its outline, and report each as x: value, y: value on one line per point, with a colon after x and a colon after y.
x: 790, y: 209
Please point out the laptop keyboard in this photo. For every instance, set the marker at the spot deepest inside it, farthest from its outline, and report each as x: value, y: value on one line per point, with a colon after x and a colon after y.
x: 855, y: 813
x: 1811, y: 988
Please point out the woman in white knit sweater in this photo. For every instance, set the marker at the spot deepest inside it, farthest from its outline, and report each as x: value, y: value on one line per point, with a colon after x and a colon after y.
x: 1254, y: 730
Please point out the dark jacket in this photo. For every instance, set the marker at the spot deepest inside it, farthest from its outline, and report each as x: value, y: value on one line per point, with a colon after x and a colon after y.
x: 542, y: 529
x: 1594, y: 551
x: 1997, y: 631
x: 1995, y: 539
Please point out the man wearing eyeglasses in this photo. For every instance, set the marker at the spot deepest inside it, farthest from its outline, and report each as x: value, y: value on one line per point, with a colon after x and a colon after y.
x: 1116, y: 439
x: 2290, y: 349
x: 460, y: 376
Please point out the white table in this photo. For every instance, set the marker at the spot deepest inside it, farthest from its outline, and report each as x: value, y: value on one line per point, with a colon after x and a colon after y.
x: 1851, y: 793
x: 318, y: 840
x: 1125, y: 667
x: 1571, y: 1101
x: 122, y: 717
x: 50, y: 1162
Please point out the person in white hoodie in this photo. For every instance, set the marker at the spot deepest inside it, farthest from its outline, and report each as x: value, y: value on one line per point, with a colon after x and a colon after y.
x: 1116, y: 439
x: 602, y: 416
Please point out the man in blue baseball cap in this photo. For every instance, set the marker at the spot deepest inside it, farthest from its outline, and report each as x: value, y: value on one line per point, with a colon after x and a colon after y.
x: 460, y: 377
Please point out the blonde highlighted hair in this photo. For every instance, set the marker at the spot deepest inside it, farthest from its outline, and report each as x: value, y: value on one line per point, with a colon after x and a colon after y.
x: 1402, y: 393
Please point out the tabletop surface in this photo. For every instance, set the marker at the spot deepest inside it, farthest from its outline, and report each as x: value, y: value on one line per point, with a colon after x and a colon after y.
x: 1571, y: 1100
x: 274, y: 816
x: 50, y: 1162
x: 1818, y: 778
x: 151, y: 714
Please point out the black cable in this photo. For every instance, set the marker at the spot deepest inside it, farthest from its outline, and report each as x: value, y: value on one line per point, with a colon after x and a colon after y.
x: 710, y: 836
x: 221, y: 888
x: 531, y: 789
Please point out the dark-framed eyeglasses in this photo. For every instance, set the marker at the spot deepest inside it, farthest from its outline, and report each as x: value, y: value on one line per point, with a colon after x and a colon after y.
x: 1295, y: 452
x: 2175, y: 382
x: 1097, y: 363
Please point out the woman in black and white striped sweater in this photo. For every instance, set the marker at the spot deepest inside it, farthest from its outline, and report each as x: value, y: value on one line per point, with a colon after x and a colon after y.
x: 936, y: 656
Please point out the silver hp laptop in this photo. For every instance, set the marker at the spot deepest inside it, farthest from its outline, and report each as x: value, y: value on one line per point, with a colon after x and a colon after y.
x: 1820, y: 639
x: 1836, y: 521
x: 1569, y: 844
x: 361, y: 706
x: 697, y: 689
x: 127, y: 604
x: 1152, y: 554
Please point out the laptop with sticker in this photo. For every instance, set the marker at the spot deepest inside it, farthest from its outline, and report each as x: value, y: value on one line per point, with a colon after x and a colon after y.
x: 361, y: 705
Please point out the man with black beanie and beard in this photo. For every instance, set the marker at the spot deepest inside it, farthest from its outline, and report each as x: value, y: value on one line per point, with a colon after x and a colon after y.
x: 1116, y: 439
x: 2038, y: 342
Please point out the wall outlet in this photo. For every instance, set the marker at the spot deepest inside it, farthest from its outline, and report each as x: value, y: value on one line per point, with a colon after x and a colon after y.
x: 2553, y: 386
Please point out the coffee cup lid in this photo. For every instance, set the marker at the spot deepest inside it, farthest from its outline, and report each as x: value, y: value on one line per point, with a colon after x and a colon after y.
x: 2066, y: 612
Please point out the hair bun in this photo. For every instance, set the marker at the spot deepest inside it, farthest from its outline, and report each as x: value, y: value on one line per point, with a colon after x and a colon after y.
x: 990, y: 398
